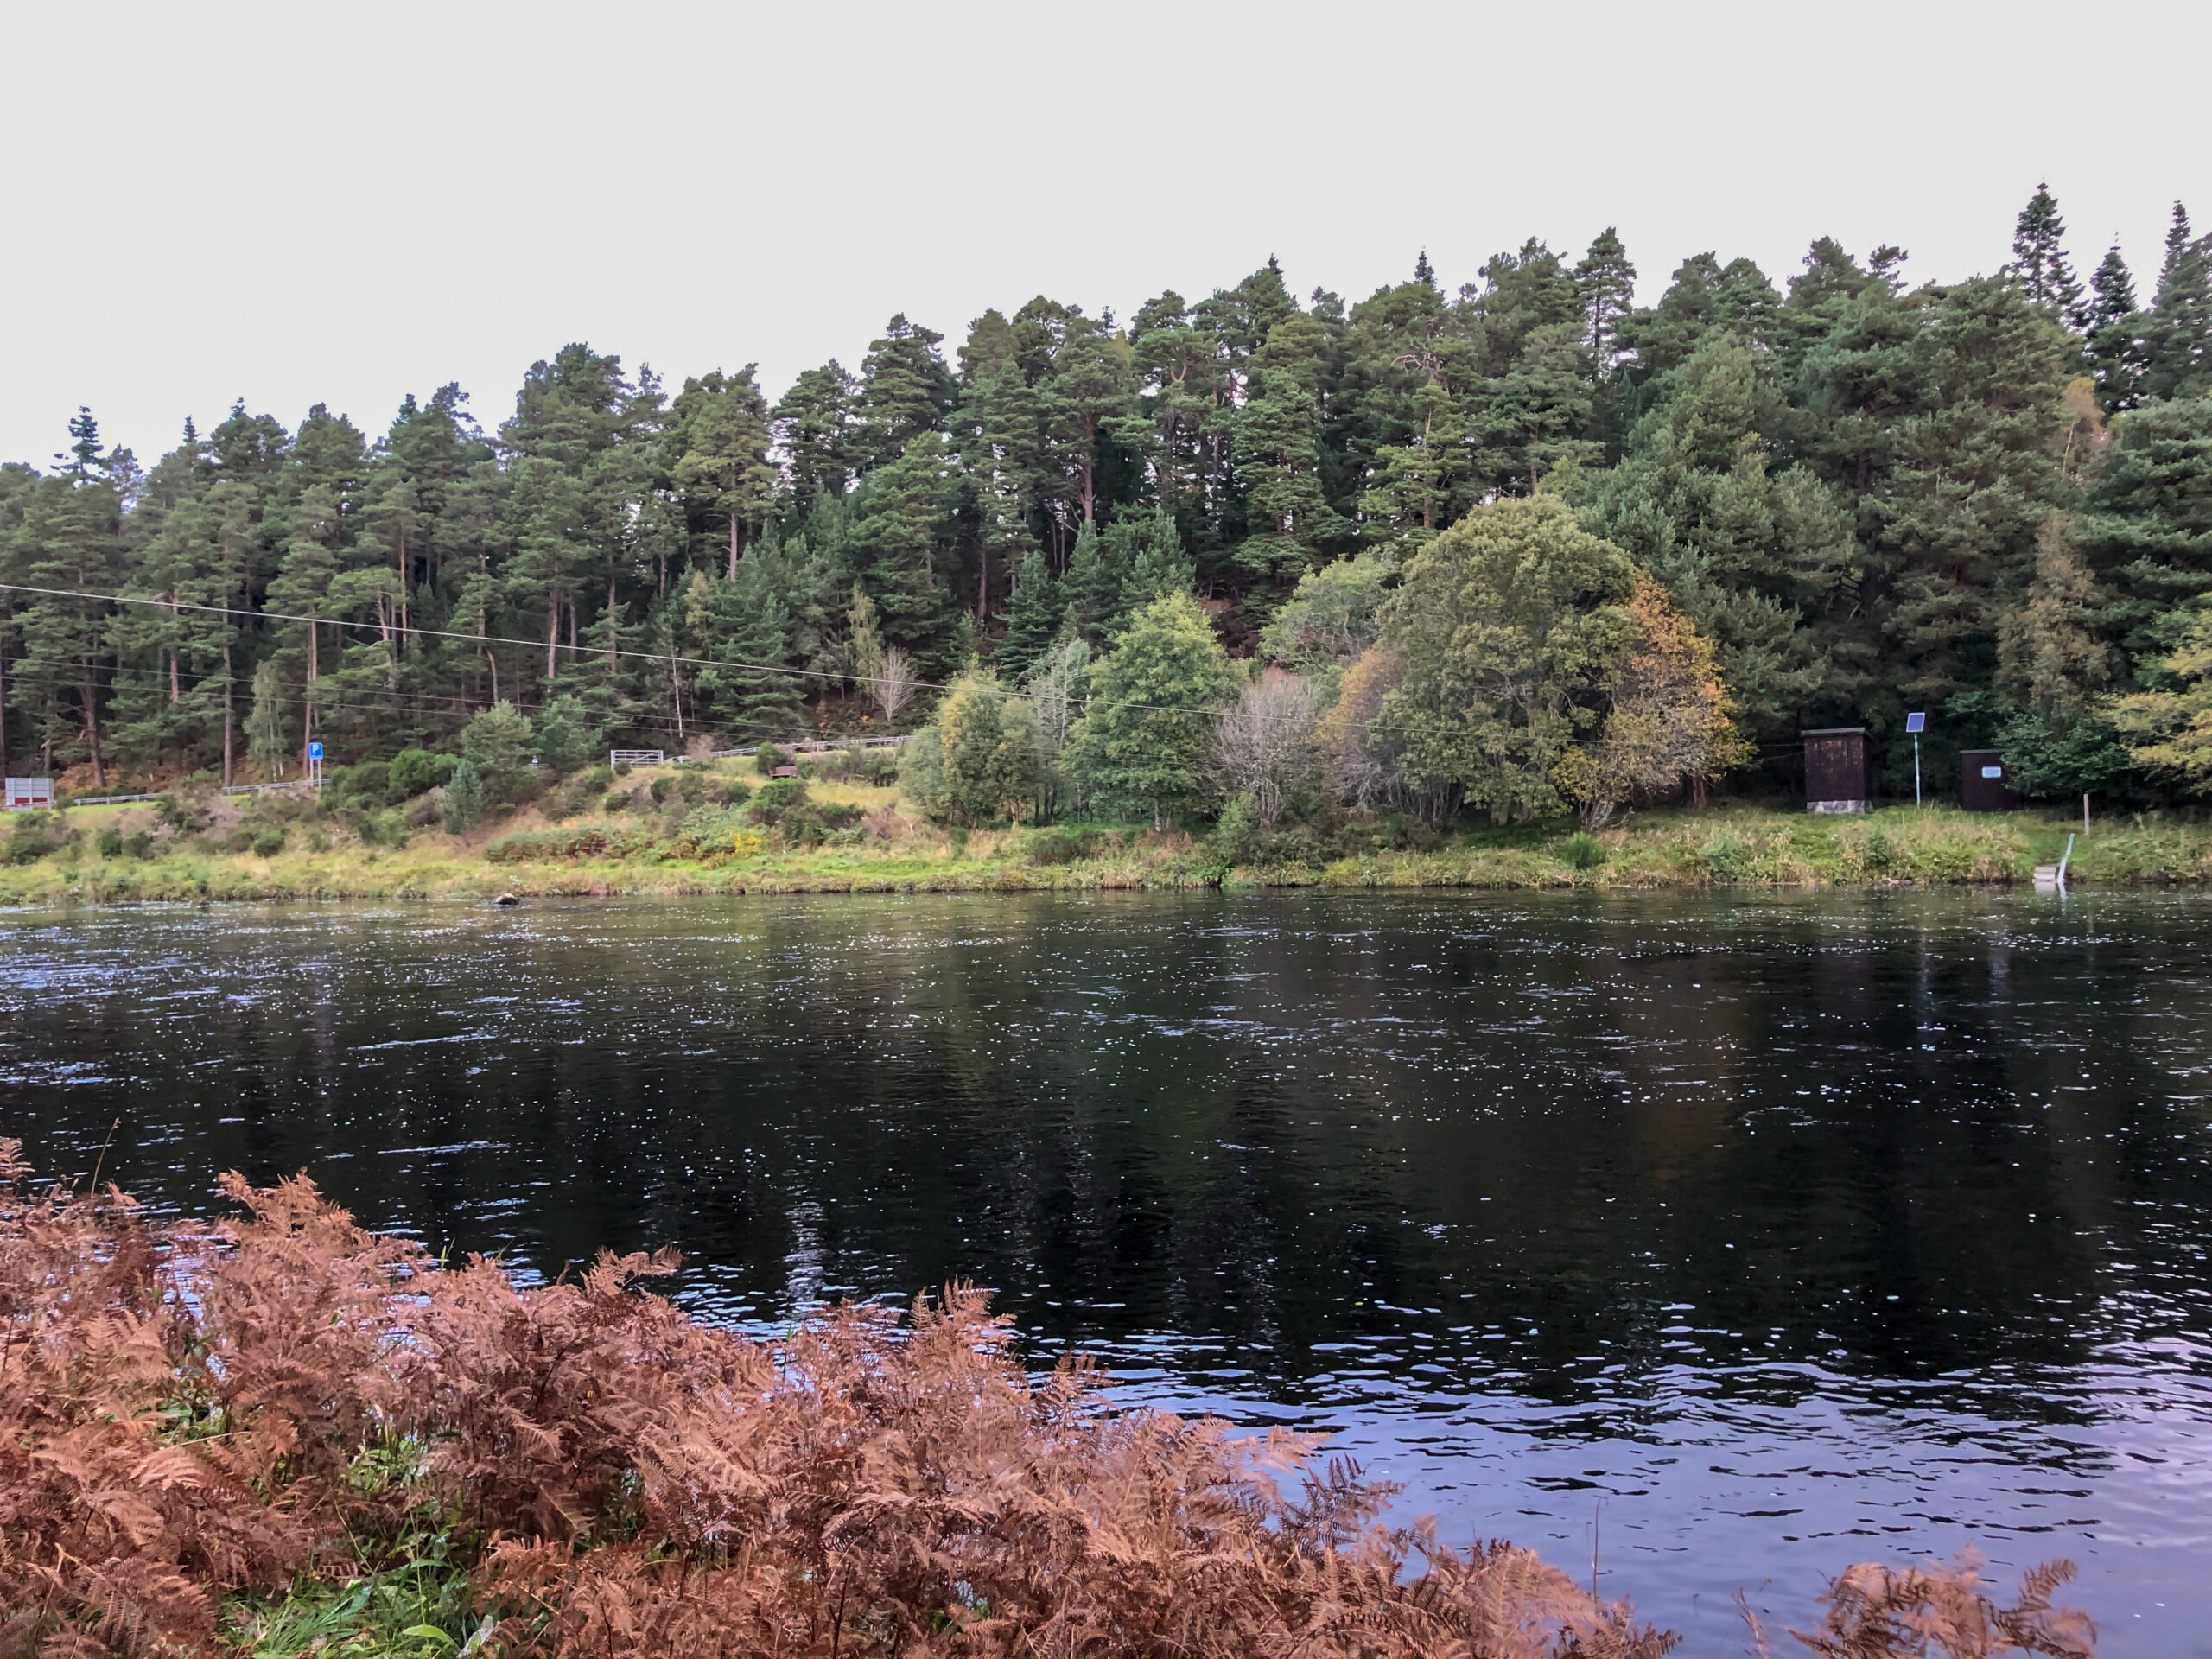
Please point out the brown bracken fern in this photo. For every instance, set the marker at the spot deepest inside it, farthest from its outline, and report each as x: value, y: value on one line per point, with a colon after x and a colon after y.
x: 186, y: 1413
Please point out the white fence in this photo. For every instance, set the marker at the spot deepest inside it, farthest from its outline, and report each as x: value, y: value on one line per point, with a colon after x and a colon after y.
x: 636, y: 758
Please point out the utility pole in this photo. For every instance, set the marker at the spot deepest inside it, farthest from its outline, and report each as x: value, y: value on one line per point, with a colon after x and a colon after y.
x: 1915, y: 724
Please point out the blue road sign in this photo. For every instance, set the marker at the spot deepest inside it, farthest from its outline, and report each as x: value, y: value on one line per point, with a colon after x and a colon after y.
x: 1915, y: 724
x: 314, y: 751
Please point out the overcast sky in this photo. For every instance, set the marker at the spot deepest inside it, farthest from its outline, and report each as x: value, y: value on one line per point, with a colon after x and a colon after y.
x: 298, y: 203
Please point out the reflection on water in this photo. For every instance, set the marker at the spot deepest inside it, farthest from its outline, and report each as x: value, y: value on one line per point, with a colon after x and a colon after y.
x: 1795, y: 1230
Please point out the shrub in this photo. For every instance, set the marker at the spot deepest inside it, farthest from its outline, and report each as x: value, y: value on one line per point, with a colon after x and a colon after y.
x: 767, y: 758
x: 367, y: 784
x: 663, y: 787
x: 592, y: 841
x: 738, y: 793
x: 27, y: 837
x: 414, y: 772
x: 1585, y: 851
x: 268, y: 842
x: 776, y: 796
x: 1062, y: 846
x: 465, y: 798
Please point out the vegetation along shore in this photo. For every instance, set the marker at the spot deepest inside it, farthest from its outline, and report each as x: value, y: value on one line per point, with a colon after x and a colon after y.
x: 278, y: 1434
x: 721, y: 827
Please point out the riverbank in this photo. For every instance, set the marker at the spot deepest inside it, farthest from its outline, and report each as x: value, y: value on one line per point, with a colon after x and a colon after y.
x: 862, y: 838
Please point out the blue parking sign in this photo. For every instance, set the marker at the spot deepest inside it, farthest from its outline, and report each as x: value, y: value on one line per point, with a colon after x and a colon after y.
x: 314, y: 751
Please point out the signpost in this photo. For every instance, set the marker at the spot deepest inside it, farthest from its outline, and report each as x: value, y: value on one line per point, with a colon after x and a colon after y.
x: 315, y: 765
x: 1915, y: 724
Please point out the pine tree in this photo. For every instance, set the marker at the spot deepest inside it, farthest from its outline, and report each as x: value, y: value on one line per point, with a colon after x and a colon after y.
x: 1606, y: 282
x: 814, y: 424
x: 1032, y: 620
x: 2114, y: 343
x: 1153, y: 702
x: 717, y: 439
x: 904, y: 392
x: 1092, y: 588
x: 1155, y: 566
x: 739, y: 624
x: 898, y: 535
x: 2039, y: 263
x: 2177, y: 334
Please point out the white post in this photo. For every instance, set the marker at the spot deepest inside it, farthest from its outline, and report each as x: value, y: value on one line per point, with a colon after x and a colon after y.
x: 1915, y: 769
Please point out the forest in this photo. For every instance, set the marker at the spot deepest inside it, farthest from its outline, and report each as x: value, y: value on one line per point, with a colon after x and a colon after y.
x: 1519, y: 547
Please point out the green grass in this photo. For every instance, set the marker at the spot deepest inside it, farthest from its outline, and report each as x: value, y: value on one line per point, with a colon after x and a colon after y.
x: 1721, y: 847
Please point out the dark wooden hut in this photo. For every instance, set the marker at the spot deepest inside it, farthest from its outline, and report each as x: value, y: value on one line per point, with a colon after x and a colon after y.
x: 1835, y: 770
x: 1985, y: 781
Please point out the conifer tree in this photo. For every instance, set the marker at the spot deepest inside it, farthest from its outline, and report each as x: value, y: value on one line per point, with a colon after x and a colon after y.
x: 904, y: 392
x: 718, y: 438
x: 1033, y: 619
x: 898, y: 534
x: 1092, y: 589
x: 1154, y: 702
x: 1155, y: 566
x: 2115, y: 345
x: 1606, y: 282
x: 814, y: 425
x: 2039, y: 263
x: 2177, y: 333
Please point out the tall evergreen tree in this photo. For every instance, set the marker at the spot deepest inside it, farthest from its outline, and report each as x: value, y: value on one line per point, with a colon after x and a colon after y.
x: 1033, y: 619
x: 2177, y: 333
x: 906, y: 391
x: 2115, y: 345
x: 717, y: 438
x: 2039, y: 263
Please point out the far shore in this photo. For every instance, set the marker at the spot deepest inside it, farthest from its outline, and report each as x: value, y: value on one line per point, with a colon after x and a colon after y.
x: 636, y: 852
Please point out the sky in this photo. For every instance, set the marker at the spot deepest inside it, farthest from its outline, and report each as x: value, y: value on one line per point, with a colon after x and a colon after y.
x: 344, y: 203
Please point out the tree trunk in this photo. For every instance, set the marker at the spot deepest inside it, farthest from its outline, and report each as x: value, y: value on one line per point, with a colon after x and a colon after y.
x: 733, y: 547
x: 552, y: 631
x: 226, y: 712
x: 306, y: 720
x: 92, y: 734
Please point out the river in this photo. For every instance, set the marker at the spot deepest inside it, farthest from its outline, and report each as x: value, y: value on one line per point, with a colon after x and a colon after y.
x: 1739, y: 1237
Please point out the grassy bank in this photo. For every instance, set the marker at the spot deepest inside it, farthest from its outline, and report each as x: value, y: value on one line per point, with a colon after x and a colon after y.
x: 857, y: 837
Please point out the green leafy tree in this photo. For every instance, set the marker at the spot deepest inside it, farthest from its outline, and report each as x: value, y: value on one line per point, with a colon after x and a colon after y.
x: 1510, y: 626
x: 982, y: 753
x: 1333, y: 616
x: 739, y: 624
x: 1141, y: 743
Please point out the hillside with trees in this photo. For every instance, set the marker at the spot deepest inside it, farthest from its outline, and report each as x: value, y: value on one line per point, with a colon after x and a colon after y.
x: 1496, y: 550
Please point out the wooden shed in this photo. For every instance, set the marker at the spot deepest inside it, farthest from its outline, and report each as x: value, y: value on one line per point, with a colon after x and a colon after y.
x: 1835, y: 770
x: 1985, y: 781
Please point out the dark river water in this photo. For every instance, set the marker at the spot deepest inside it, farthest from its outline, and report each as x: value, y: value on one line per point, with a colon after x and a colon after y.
x: 1760, y: 1234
